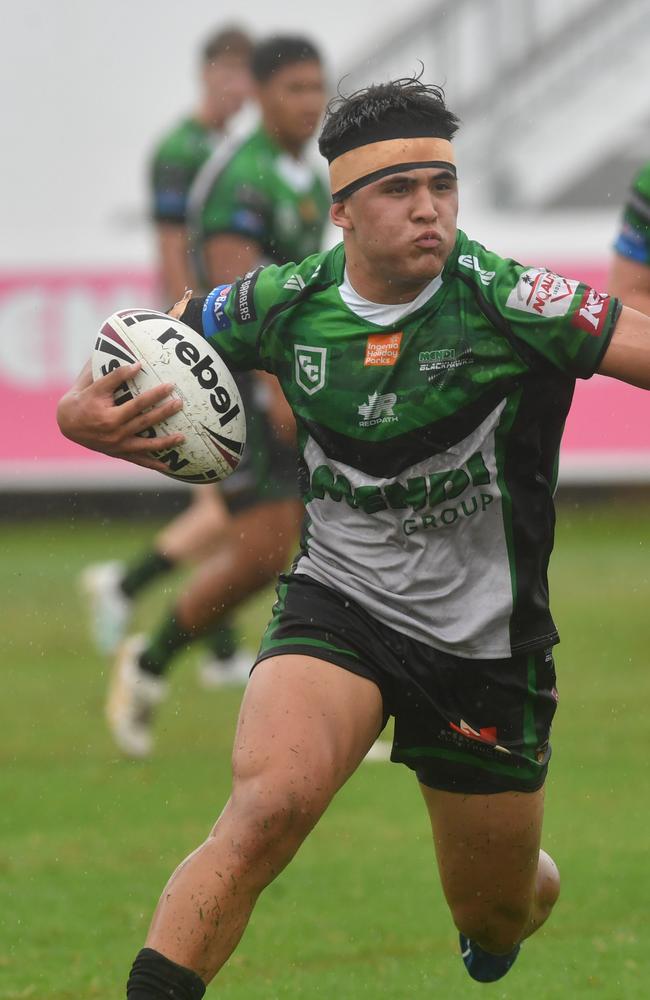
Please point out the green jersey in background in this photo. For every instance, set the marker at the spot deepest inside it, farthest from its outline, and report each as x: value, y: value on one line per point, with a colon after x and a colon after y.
x: 429, y: 433
x: 633, y: 240
x: 174, y: 166
x: 256, y: 190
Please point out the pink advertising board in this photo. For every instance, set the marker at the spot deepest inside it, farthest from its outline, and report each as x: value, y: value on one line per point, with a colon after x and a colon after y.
x: 48, y: 322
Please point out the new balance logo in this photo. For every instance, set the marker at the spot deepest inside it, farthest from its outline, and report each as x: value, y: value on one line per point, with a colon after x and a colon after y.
x: 295, y: 282
x: 378, y: 409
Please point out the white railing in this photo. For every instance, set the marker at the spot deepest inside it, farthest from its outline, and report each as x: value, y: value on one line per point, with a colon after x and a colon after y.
x: 511, y: 68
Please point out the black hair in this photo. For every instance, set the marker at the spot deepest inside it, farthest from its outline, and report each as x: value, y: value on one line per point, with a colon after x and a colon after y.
x: 394, y: 110
x: 281, y: 50
x: 227, y: 41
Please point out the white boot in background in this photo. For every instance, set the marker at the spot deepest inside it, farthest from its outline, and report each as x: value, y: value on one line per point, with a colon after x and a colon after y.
x: 110, y: 609
x: 133, y: 696
x: 234, y: 670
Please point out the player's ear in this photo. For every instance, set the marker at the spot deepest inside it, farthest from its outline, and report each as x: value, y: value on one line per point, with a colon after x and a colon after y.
x: 340, y: 216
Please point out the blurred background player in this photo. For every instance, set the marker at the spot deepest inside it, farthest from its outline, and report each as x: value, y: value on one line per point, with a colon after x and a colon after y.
x: 225, y: 85
x: 111, y: 587
x: 630, y: 270
x: 260, y: 202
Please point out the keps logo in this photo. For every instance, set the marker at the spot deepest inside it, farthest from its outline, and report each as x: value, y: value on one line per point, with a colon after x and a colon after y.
x: 592, y: 313
x: 310, y: 367
x: 378, y: 409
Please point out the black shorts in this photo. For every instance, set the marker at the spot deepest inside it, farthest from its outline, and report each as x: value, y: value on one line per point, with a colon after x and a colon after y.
x: 268, y: 470
x: 468, y: 726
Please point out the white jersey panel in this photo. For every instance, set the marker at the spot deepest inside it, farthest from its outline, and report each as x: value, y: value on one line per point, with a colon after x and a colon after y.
x: 439, y: 574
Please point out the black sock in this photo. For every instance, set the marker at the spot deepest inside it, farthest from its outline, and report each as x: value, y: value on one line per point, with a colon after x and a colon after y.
x: 163, y: 646
x: 140, y: 574
x: 222, y: 640
x: 154, y: 977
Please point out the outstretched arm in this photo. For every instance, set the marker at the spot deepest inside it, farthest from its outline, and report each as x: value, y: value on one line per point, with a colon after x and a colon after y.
x: 630, y: 282
x: 628, y: 356
x: 87, y: 414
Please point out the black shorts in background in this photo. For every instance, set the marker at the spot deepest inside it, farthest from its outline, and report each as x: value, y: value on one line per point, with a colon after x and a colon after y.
x: 467, y: 726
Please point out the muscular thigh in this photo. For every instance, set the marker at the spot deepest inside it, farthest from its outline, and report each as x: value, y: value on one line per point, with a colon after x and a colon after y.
x: 305, y: 724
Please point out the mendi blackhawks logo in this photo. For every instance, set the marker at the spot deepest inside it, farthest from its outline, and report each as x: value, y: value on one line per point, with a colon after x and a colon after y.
x: 310, y: 367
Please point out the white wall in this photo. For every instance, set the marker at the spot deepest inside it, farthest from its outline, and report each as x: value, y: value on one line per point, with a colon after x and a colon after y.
x: 87, y: 86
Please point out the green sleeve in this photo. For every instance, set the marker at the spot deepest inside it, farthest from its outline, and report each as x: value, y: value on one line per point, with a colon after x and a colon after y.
x: 237, y: 204
x: 236, y: 317
x: 633, y: 239
x: 552, y: 318
x: 173, y: 168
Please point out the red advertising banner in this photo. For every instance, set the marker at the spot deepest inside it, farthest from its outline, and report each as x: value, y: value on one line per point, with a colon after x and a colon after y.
x: 48, y: 322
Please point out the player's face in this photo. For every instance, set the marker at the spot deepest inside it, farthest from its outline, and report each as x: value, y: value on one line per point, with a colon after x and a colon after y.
x: 228, y: 83
x: 401, y: 228
x: 292, y: 102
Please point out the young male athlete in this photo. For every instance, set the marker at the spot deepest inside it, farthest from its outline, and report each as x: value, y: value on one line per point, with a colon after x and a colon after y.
x: 630, y: 270
x: 286, y: 211
x: 430, y: 380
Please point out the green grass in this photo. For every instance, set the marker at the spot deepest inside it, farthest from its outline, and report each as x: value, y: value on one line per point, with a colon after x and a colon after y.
x: 87, y: 840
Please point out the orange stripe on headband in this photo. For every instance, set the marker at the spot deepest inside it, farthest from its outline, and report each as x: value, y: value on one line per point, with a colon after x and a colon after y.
x: 352, y: 167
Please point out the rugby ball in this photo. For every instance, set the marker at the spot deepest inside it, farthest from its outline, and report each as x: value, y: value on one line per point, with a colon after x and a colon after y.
x: 212, y: 418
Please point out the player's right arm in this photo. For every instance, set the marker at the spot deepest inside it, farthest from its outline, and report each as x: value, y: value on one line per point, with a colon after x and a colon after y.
x: 230, y: 317
x: 87, y: 415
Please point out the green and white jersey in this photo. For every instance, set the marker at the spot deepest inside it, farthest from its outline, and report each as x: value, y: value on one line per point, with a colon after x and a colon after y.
x: 175, y: 164
x: 429, y: 436
x: 257, y: 190
x: 633, y: 240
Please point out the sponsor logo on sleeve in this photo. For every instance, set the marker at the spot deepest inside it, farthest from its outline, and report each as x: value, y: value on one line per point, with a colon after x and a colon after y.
x: 310, y: 367
x: 382, y: 349
x: 378, y: 409
x: 245, y: 300
x: 221, y: 320
x: 542, y: 293
x: 592, y: 312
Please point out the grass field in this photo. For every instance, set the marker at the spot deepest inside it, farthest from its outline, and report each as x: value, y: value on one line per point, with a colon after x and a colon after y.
x: 87, y: 840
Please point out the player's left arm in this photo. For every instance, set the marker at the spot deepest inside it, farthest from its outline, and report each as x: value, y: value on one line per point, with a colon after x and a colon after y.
x: 629, y: 280
x: 628, y: 354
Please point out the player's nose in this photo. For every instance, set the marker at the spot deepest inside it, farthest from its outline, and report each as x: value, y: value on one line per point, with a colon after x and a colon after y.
x: 424, y: 205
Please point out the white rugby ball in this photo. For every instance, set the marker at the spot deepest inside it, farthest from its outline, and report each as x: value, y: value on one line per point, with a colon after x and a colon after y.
x: 212, y: 418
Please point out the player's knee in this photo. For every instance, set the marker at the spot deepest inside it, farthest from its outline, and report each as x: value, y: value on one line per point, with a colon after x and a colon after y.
x: 274, y: 818
x: 496, y: 927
